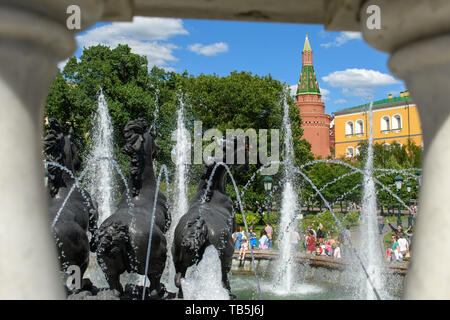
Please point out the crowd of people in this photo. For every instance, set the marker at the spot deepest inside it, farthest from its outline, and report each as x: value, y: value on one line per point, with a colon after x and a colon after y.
x: 243, y: 244
x: 319, y: 243
x: 401, y: 245
x: 315, y: 242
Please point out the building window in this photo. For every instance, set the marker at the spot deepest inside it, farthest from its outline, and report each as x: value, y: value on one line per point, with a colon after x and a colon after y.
x: 349, y: 152
x: 359, y: 127
x: 358, y: 150
x: 349, y: 128
x: 386, y: 146
x: 397, y: 122
x: 385, y: 124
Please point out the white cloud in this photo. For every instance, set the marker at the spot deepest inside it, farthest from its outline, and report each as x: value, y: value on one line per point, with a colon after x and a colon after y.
x: 342, y: 38
x: 209, y: 50
x: 340, y: 101
x: 62, y: 64
x: 144, y: 36
x: 293, y: 90
x: 325, y: 93
x: 359, y: 82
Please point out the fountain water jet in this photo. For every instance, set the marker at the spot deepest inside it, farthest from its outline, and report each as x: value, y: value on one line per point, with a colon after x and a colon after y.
x: 180, y: 205
x: 203, y: 281
x: 101, y: 177
x: 289, y: 210
x: 370, y: 242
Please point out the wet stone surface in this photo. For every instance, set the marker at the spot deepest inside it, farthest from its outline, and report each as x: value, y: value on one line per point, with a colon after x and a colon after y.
x: 131, y: 292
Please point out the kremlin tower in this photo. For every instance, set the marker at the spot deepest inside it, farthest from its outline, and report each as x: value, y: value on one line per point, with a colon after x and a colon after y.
x: 316, y: 123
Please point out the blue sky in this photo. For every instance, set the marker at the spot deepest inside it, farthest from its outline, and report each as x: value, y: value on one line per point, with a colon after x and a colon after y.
x: 348, y: 70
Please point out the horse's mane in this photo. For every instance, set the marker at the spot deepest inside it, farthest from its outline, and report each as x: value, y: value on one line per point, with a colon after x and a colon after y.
x: 134, y: 148
x: 54, y: 152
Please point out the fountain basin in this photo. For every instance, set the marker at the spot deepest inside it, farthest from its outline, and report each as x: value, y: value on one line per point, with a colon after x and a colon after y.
x: 310, y: 269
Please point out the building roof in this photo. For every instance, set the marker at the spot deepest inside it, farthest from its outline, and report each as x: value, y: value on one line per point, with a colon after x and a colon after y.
x: 307, y: 83
x: 379, y: 104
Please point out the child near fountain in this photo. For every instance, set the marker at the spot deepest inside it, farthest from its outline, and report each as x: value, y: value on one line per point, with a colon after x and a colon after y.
x: 237, y: 237
x: 337, y: 250
x: 328, y: 248
x: 244, y: 248
x: 263, y: 240
x: 310, y: 242
x: 253, y: 239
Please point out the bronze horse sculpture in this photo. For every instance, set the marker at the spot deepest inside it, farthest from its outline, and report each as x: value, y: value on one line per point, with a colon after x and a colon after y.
x: 79, y: 214
x: 123, y: 237
x: 209, y: 221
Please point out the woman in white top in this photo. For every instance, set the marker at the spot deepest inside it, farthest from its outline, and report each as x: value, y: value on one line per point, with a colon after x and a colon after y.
x: 402, y: 245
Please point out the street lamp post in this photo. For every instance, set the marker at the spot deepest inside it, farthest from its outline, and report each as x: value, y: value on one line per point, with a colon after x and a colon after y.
x: 267, y: 186
x: 408, y: 188
x: 418, y: 174
x: 398, y: 184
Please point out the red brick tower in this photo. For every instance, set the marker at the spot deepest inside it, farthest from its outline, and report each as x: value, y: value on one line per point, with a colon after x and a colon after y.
x: 316, y: 123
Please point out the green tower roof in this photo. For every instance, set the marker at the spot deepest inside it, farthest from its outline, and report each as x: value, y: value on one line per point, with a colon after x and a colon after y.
x: 307, y: 84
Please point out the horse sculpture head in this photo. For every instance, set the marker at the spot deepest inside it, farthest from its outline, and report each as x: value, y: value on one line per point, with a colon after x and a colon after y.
x: 140, y: 146
x: 233, y: 151
x: 59, y: 148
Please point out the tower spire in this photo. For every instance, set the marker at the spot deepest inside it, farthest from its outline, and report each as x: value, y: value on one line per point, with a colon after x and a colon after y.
x: 307, y: 47
x: 307, y: 83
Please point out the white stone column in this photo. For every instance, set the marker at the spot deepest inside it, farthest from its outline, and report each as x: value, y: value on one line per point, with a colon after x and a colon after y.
x: 417, y: 35
x: 32, y: 41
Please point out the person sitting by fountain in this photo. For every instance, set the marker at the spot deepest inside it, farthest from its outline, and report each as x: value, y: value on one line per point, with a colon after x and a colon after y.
x: 237, y: 237
x: 328, y: 248
x: 395, y: 249
x: 244, y: 248
x: 336, y: 250
x: 310, y: 228
x: 322, y: 247
x: 310, y: 242
x: 403, y: 245
x: 320, y: 232
x: 253, y: 239
x: 263, y: 240
x: 269, y: 233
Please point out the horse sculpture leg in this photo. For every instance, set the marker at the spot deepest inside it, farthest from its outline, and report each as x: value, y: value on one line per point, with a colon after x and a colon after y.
x: 114, y: 281
x: 156, y: 287
x: 178, y: 277
x: 226, y: 267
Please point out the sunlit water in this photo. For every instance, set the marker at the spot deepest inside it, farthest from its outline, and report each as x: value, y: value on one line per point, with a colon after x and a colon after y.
x: 180, y: 204
x: 370, y: 242
x: 101, y: 183
x: 244, y: 288
x: 289, y: 210
x: 204, y: 281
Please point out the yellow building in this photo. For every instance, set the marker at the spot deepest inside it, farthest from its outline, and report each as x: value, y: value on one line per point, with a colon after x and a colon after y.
x: 395, y: 120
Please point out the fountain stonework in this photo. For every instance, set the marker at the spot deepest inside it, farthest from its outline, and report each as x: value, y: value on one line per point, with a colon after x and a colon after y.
x: 34, y: 38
